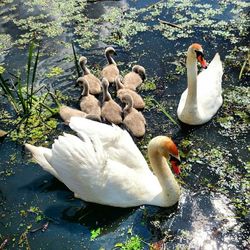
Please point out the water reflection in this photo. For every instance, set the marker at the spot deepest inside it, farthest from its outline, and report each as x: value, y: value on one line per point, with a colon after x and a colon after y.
x: 97, y: 9
x: 204, y: 221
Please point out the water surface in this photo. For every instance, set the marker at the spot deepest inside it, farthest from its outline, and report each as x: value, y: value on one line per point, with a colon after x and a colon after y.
x: 211, y: 212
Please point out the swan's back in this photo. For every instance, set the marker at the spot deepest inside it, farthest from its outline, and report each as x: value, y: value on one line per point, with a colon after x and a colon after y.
x: 132, y: 80
x: 209, y: 86
x: 111, y: 112
x: 117, y: 142
x: 135, y: 122
x: 94, y: 84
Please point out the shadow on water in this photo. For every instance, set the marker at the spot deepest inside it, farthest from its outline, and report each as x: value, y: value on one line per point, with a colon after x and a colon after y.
x: 95, y: 214
x: 185, y: 130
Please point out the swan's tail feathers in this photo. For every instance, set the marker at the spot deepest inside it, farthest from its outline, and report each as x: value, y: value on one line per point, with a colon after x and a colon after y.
x: 38, y: 155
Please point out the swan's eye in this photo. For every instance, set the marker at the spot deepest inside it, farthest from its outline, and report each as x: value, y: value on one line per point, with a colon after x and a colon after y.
x: 199, y: 53
x: 200, y: 58
x: 174, y: 159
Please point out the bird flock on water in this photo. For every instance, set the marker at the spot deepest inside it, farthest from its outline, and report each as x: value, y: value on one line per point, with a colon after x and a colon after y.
x: 108, y: 110
x: 102, y: 164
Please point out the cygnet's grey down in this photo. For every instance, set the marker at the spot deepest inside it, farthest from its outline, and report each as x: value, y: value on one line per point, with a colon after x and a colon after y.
x: 111, y: 111
x: 88, y: 103
x: 122, y: 91
x: 67, y: 112
x: 135, y: 78
x: 110, y: 71
x: 94, y: 82
x: 133, y: 119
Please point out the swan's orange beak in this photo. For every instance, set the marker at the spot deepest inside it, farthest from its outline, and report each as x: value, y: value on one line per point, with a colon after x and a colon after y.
x: 202, y: 61
x: 174, y: 156
x: 175, y: 166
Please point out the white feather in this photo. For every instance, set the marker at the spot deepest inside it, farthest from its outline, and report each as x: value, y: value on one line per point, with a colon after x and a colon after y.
x: 209, y: 98
x: 105, y: 166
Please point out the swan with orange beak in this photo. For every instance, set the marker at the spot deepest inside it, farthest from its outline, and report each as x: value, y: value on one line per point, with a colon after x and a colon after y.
x: 202, y: 98
x: 103, y: 165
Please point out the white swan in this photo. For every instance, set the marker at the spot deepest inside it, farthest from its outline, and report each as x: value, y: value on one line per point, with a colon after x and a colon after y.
x: 103, y: 165
x: 202, y: 98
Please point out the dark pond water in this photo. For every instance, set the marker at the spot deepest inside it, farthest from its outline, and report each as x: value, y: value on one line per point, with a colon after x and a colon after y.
x: 213, y: 212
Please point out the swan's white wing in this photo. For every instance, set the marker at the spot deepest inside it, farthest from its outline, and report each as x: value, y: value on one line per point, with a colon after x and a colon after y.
x: 106, y: 133
x: 79, y: 164
x: 83, y: 166
x: 209, y: 85
x: 125, y: 186
x: 117, y: 143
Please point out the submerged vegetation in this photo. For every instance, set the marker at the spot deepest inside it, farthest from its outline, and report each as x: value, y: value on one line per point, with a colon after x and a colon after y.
x: 133, y: 243
x: 235, y: 119
x: 228, y: 175
x: 120, y: 23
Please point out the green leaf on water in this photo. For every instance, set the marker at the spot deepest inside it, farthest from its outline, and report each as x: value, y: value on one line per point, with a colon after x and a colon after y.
x: 95, y: 233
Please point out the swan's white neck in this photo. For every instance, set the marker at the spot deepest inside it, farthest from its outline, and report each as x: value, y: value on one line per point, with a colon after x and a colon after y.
x: 170, y: 188
x: 191, y: 65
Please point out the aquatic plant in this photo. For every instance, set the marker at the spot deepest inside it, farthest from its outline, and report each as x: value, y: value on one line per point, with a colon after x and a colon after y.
x: 245, y: 64
x: 133, y: 243
x: 33, y: 119
x: 95, y: 233
x: 55, y: 71
x: 19, y: 94
x: 164, y: 111
x: 76, y: 59
x: 120, y: 25
x: 226, y: 176
x: 149, y: 84
x: 234, y: 119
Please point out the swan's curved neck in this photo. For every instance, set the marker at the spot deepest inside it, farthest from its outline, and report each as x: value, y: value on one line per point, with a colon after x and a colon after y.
x: 85, y: 90
x: 128, y: 107
x: 170, y: 187
x: 110, y: 59
x: 119, y: 84
x: 191, y: 65
x: 106, y: 94
x: 84, y: 68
